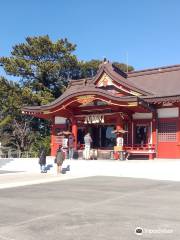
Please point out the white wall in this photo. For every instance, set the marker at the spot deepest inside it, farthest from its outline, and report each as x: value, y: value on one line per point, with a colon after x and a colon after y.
x: 142, y: 115
x: 168, y: 112
x: 60, y: 120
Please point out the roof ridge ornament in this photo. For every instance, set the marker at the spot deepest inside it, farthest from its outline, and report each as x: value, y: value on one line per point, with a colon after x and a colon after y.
x: 105, y: 60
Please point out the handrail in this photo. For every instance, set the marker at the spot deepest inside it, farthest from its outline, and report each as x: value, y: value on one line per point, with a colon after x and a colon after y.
x: 140, y: 145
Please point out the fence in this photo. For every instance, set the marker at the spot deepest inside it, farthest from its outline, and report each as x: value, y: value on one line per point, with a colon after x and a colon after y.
x: 17, y: 154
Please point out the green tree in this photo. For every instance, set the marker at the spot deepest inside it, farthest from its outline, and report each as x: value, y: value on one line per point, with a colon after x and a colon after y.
x: 88, y: 69
x: 17, y: 131
x: 41, y: 64
x: 43, y: 67
x: 124, y: 67
x: 9, y: 100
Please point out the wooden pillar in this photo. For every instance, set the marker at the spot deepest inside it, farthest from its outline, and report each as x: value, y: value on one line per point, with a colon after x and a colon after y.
x: 75, y: 131
x: 130, y: 132
x: 154, y: 131
x: 154, y: 128
x: 52, y: 140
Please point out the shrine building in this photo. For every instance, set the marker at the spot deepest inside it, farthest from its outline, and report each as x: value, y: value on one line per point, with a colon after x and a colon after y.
x: 146, y: 104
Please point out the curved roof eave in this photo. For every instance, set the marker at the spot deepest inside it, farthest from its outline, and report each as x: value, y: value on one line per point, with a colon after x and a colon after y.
x: 88, y: 91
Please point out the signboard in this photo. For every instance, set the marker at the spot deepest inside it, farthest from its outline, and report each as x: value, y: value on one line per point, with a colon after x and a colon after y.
x: 85, y: 99
x: 59, y: 120
x: 92, y: 119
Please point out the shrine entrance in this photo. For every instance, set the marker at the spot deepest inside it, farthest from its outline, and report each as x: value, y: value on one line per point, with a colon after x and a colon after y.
x: 102, y: 136
x: 141, y: 134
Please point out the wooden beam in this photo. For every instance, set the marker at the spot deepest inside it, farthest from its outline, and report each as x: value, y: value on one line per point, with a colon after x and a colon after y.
x: 146, y: 105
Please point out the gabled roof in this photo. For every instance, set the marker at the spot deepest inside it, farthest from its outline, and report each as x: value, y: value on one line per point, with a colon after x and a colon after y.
x: 119, y: 77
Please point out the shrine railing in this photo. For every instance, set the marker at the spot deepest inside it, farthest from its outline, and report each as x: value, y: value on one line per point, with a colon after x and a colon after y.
x: 135, y: 147
x: 140, y: 148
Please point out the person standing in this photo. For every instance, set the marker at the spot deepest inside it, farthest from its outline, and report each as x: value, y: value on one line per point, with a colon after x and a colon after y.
x: 71, y: 146
x: 120, y: 144
x: 120, y: 141
x: 87, y: 142
x: 60, y: 156
x: 42, y: 160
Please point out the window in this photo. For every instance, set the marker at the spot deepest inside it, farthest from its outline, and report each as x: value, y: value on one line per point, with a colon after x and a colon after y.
x: 167, y: 131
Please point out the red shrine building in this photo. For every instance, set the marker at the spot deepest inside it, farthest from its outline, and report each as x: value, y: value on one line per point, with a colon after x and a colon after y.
x: 146, y: 104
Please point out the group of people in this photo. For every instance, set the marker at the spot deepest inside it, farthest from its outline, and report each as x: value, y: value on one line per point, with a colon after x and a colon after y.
x: 61, y: 151
x: 60, y: 155
x: 59, y: 159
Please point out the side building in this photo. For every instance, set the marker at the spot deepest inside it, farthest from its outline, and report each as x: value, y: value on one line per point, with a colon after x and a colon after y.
x: 146, y: 104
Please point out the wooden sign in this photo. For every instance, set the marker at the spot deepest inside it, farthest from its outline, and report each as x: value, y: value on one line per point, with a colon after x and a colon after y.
x: 85, y: 99
x: 93, y: 119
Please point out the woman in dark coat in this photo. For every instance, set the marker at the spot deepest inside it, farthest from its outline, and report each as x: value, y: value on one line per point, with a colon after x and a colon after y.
x: 59, y: 159
x: 42, y: 160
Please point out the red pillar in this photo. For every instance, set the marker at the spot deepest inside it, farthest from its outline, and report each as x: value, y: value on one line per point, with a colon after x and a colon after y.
x: 154, y: 134
x: 130, y: 132
x: 52, y: 140
x: 75, y: 131
x: 154, y: 127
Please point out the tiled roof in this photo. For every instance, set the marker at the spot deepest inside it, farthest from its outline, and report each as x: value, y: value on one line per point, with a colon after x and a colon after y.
x: 155, y: 85
x: 161, y: 98
x: 159, y: 81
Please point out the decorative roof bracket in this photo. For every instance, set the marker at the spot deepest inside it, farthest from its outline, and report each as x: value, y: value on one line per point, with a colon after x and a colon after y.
x: 145, y: 104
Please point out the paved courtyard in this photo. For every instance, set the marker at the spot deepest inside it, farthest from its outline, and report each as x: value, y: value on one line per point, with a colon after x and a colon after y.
x: 92, y: 208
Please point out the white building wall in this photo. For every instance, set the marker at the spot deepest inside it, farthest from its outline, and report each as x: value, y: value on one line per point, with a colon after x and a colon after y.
x: 142, y: 115
x: 168, y: 112
x: 59, y: 120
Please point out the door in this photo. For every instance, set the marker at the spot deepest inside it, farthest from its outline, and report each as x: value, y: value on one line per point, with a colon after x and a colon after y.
x: 142, y: 135
x: 102, y: 136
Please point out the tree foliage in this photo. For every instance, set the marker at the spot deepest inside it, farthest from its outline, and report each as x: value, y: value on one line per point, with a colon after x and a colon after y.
x: 44, y: 68
x: 88, y: 69
x: 16, y: 130
x: 123, y: 67
x: 41, y: 64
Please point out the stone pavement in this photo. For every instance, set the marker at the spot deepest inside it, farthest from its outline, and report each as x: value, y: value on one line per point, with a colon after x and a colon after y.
x: 148, y: 169
x: 10, y: 180
x: 91, y: 208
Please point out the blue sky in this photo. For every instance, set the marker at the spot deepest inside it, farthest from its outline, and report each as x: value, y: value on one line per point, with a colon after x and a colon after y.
x: 149, y: 31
